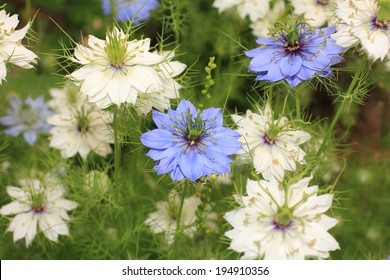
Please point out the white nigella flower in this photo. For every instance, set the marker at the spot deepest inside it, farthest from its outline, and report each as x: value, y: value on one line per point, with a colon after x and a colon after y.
x: 255, y: 9
x: 66, y: 97
x: 11, y: 49
x: 360, y: 21
x: 37, y: 205
x: 261, y: 27
x: 81, y: 131
x: 115, y: 70
x: 167, y: 71
x: 315, y: 11
x: 164, y: 220
x: 272, y: 144
x: 282, y: 222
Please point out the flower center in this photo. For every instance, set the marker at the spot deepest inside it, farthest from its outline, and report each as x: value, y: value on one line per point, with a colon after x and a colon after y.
x: 271, y: 135
x: 37, y: 203
x: 194, y: 129
x: 323, y: 2
x: 283, y: 220
x: 380, y: 24
x: 116, y: 49
x: 82, y: 124
x: 27, y: 115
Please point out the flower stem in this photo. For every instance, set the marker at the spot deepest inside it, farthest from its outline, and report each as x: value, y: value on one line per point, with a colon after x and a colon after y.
x: 201, y: 212
x: 183, y: 194
x: 297, y: 104
x: 340, y: 109
x: 117, y: 146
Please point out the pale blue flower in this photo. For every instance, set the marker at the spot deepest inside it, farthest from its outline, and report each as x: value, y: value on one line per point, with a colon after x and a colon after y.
x: 136, y: 10
x: 27, y: 118
x: 191, y: 144
x: 295, y: 56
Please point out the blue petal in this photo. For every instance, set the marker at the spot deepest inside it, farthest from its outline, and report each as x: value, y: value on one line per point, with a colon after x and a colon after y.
x: 260, y: 63
x: 177, y: 174
x: 169, y: 159
x: 321, y: 61
x: 9, y: 120
x: 327, y: 31
x: 183, y: 106
x: 306, y: 73
x: 218, y: 162
x: 30, y: 137
x: 254, y: 52
x: 161, y: 120
x: 15, y: 130
x: 226, y: 141
x: 290, y: 65
x: 15, y: 103
x: 157, y: 139
x: 274, y: 74
x: 212, y: 116
x: 192, y: 166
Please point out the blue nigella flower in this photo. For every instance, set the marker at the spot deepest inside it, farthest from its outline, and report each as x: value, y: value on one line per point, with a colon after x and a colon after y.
x: 295, y: 56
x: 136, y: 10
x: 28, y: 117
x: 191, y: 144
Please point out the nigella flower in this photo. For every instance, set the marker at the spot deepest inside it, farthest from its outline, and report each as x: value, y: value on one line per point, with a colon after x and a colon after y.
x: 11, y: 49
x: 135, y: 10
x: 271, y: 144
x: 361, y: 21
x: 115, y: 70
x: 81, y: 131
x: 27, y: 118
x: 295, y: 55
x: 191, y: 144
x: 164, y: 219
x: 38, y: 205
x: 282, y: 222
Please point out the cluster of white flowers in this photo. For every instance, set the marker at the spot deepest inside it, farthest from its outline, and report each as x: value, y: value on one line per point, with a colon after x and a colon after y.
x: 277, y: 219
x: 360, y: 21
x: 11, y: 49
x: 78, y: 126
x: 117, y: 71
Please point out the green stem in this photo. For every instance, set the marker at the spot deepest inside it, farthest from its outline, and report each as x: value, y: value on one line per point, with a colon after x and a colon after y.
x: 117, y: 146
x: 183, y: 194
x: 297, y: 104
x: 339, y: 111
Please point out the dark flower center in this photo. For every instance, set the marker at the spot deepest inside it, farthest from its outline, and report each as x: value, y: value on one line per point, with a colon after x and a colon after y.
x: 293, y: 48
x: 27, y: 115
x: 194, y: 129
x: 323, y: 2
x: 268, y: 140
x: 283, y: 220
x: 37, y: 203
x: 83, y: 124
x: 380, y: 24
